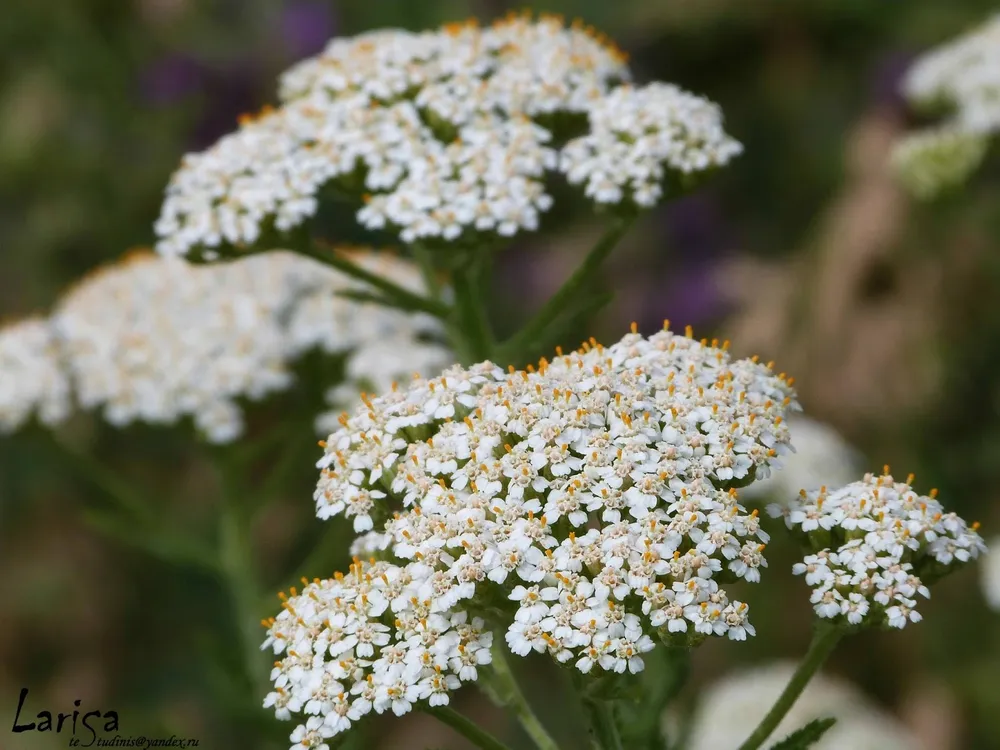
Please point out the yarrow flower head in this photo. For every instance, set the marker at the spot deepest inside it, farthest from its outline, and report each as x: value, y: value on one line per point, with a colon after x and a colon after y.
x: 963, y: 79
x: 875, y: 547
x: 444, y: 135
x: 585, y: 506
x: 367, y: 641
x: 156, y: 339
x: 963, y: 75
x: 32, y: 381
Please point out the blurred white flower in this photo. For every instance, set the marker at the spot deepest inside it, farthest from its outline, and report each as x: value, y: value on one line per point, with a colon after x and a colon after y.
x: 156, y: 339
x: 964, y: 75
x: 820, y: 457
x: 991, y: 574
x: 934, y: 160
x: 442, y: 134
x: 961, y: 78
x: 731, y: 708
x: 32, y: 381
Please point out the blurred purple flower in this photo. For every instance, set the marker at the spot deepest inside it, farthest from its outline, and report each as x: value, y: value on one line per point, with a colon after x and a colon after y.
x: 690, y: 296
x: 170, y: 79
x: 887, y: 79
x: 685, y: 290
x: 695, y: 228
x: 306, y: 26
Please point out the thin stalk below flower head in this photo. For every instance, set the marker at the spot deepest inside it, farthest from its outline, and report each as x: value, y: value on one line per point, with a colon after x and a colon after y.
x: 823, y: 643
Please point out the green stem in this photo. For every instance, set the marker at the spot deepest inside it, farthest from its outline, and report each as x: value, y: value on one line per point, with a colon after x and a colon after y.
x: 602, y: 721
x: 824, y: 641
x: 543, y: 323
x: 237, y: 571
x: 509, y: 693
x: 470, y: 326
x: 127, y: 501
x: 395, y: 295
x: 465, y: 727
x: 425, y: 259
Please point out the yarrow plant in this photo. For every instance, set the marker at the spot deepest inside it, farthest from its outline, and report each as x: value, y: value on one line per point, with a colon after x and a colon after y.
x: 588, y: 508
x: 872, y: 547
x: 585, y: 507
x: 962, y: 78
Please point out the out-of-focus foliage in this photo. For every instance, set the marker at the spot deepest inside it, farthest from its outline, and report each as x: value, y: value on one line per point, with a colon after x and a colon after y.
x: 805, y: 250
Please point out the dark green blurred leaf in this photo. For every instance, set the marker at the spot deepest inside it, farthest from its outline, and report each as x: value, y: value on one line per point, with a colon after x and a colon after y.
x: 806, y: 737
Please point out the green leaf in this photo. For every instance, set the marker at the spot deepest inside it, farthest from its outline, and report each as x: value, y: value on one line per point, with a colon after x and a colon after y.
x: 806, y: 737
x: 162, y: 543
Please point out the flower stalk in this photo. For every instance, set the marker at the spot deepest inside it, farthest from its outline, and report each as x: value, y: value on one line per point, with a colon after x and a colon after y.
x: 472, y: 336
x: 237, y: 573
x: 466, y: 727
x: 393, y: 295
x: 824, y: 641
x: 544, y: 324
x: 508, y: 692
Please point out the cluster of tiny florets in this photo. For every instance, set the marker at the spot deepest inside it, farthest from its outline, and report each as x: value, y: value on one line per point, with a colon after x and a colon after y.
x: 876, y: 545
x: 157, y: 339
x: 639, y: 135
x: 963, y: 79
x: 32, y: 381
x: 590, y: 499
x: 371, y: 640
x: 442, y: 133
x: 963, y: 75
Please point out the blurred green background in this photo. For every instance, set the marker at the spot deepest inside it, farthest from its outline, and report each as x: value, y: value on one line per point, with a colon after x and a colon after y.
x: 803, y: 251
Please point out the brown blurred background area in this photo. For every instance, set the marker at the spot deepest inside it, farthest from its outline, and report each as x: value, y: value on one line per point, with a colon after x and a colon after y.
x: 805, y: 251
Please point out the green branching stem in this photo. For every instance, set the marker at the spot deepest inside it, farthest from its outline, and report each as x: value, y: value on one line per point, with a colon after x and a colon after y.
x: 508, y: 692
x: 393, y: 294
x: 465, y: 727
x: 472, y: 337
x: 824, y: 641
x: 544, y: 323
x: 124, y: 497
x: 602, y: 721
x: 237, y: 572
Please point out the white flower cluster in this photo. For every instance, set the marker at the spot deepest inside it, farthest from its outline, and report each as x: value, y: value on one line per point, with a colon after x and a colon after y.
x: 637, y: 135
x: 963, y: 77
x: 31, y: 379
x: 156, y: 339
x: 590, y: 499
x: 876, y: 545
x: 729, y: 708
x: 370, y: 640
x: 991, y: 575
x: 963, y: 74
x: 443, y: 133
